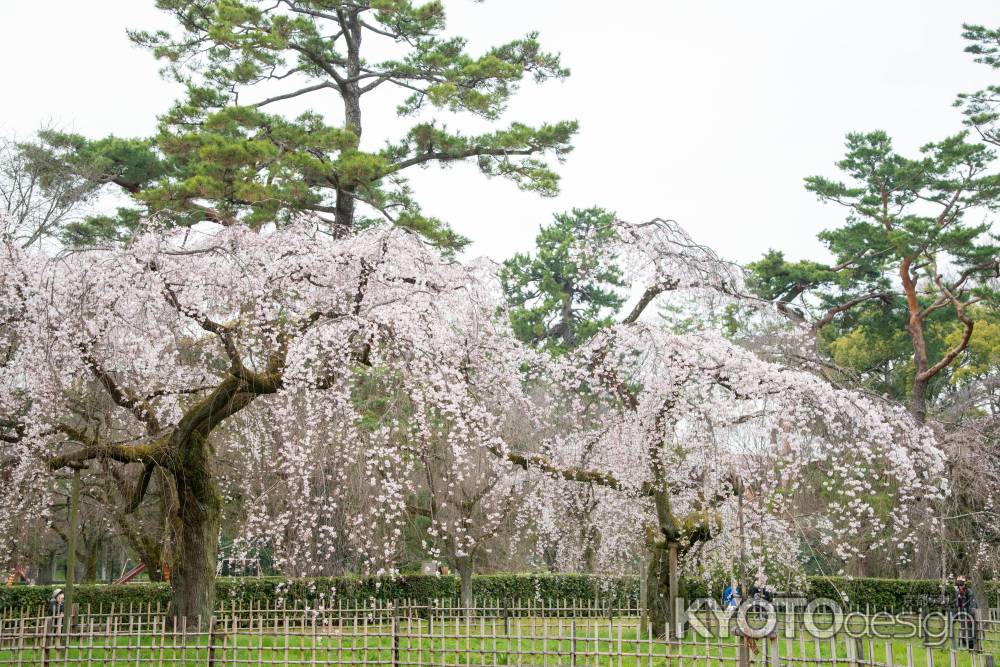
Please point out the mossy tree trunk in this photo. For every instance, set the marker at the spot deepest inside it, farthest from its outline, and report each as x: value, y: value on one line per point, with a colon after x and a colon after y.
x: 662, y: 577
x: 185, y: 452
x: 192, y: 582
x: 199, y: 503
x: 666, y: 589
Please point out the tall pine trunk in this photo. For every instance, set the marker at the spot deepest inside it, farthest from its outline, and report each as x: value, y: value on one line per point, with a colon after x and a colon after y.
x: 918, y: 401
x: 351, y: 94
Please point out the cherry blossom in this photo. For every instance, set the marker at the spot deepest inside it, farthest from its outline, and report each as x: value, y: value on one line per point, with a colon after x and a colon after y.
x: 298, y: 390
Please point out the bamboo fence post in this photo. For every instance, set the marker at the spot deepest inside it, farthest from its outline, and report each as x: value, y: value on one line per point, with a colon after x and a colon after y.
x: 572, y: 632
x: 138, y: 643
x: 20, y: 640
x: 163, y: 636
x: 395, y: 640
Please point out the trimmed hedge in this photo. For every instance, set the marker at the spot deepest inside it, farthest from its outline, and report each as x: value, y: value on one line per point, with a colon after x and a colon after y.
x: 264, y: 591
x: 892, y: 594
x: 881, y: 594
x: 34, y: 597
x: 550, y: 587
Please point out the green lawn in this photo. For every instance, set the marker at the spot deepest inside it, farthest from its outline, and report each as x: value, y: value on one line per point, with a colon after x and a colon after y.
x: 478, y: 642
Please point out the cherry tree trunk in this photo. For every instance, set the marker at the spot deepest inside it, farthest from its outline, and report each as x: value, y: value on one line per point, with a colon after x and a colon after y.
x: 465, y: 567
x: 663, y: 587
x: 192, y: 580
x: 90, y: 558
x: 591, y: 540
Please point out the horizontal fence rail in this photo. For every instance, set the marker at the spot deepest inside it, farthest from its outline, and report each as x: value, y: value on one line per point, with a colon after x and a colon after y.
x: 512, y: 632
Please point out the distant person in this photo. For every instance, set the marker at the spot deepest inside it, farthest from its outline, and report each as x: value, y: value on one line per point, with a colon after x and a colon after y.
x: 56, y: 602
x: 760, y: 593
x: 965, y: 608
x: 732, y: 596
x: 760, y: 597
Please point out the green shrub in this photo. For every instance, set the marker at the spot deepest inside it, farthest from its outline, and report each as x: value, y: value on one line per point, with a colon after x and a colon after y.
x: 424, y: 588
x: 891, y: 594
x: 880, y: 594
x: 94, y: 595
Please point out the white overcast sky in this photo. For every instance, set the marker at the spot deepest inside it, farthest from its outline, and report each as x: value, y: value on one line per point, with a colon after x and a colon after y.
x: 704, y: 111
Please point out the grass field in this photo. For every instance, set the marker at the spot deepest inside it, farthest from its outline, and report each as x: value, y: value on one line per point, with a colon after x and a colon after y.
x: 525, y: 641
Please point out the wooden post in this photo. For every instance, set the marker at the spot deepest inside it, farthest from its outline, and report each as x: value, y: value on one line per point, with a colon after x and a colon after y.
x: 20, y: 638
x: 850, y: 649
x: 74, y: 510
x: 643, y: 591
x: 673, y: 593
x: 211, y: 641
x: 572, y: 643
x: 744, y: 653
x: 45, y: 642
x: 395, y: 641
x: 978, y: 632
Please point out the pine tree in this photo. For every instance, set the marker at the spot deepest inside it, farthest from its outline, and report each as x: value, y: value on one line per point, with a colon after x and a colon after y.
x: 238, y: 148
x: 565, y: 292
x: 914, y: 257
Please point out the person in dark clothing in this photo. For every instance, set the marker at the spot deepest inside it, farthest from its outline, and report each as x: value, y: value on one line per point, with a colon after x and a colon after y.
x: 965, y: 612
x: 760, y: 602
x: 56, y: 602
x: 759, y: 592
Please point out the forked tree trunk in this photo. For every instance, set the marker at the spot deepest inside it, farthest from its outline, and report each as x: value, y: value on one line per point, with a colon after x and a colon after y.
x: 663, y: 587
x: 666, y: 544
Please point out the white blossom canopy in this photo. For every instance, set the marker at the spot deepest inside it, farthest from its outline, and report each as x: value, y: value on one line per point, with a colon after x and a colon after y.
x: 341, y: 367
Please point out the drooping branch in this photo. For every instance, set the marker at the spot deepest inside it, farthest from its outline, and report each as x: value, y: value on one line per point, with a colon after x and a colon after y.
x: 224, y: 332
x: 132, y: 493
x: 141, y: 486
x: 122, y: 396
x: 647, y: 298
x: 574, y: 474
x: 94, y: 449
